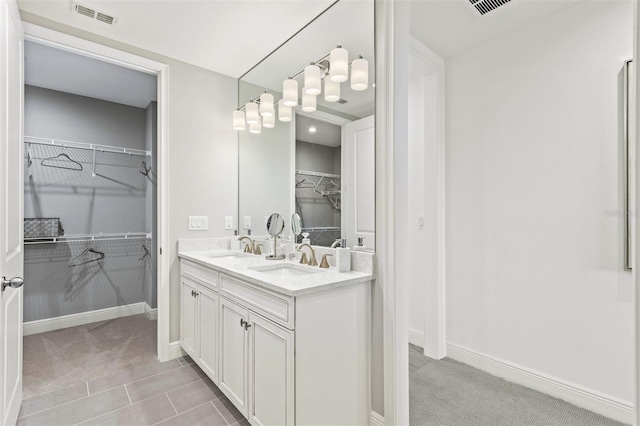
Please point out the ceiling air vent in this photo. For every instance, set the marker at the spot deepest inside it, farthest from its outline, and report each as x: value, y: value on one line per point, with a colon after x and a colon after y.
x: 486, y: 6
x: 94, y: 14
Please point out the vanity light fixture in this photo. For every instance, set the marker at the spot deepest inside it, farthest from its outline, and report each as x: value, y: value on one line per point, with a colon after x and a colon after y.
x: 238, y: 120
x: 290, y: 92
x: 285, y: 113
x: 308, y: 102
x: 269, y: 122
x: 266, y: 105
x: 339, y: 65
x: 312, y: 80
x: 331, y: 90
x: 251, y: 108
x: 332, y: 68
x: 256, y: 127
x: 360, y: 74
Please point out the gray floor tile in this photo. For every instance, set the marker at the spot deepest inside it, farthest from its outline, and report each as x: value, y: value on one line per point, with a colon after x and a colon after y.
x: 53, y: 399
x: 228, y: 410
x: 184, y: 360
x: 79, y: 410
x: 115, y: 380
x: 243, y: 422
x: 164, y: 382
x: 204, y: 415
x: 193, y: 395
x: 147, y: 412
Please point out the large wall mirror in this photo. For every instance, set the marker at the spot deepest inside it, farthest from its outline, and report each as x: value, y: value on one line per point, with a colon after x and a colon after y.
x: 320, y: 163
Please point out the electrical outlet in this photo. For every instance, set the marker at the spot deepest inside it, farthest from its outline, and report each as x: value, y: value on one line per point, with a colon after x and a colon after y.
x: 228, y: 222
x: 247, y: 222
x: 198, y: 223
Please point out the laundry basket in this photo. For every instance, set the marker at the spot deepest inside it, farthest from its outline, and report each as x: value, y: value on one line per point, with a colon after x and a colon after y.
x: 42, y: 227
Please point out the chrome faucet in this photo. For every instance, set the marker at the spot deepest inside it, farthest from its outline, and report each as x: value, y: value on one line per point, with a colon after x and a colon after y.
x: 303, y: 259
x: 249, y: 247
x: 337, y: 243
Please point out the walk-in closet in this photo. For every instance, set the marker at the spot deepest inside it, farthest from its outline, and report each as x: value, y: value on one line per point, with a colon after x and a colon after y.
x: 89, y: 206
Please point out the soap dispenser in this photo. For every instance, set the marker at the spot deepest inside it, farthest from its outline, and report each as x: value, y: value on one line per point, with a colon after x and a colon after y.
x: 343, y: 257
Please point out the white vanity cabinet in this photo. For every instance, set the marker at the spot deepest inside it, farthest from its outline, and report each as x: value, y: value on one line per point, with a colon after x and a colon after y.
x: 199, y: 317
x: 284, y: 358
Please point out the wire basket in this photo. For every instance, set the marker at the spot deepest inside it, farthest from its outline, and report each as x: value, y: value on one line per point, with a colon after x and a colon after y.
x: 42, y: 227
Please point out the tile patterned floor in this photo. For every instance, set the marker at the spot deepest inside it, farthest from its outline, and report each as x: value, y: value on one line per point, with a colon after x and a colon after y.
x: 176, y: 392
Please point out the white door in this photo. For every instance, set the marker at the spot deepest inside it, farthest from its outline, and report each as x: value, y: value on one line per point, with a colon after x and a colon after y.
x: 233, y: 353
x: 207, y: 332
x: 271, y: 380
x: 188, y: 317
x: 358, y: 182
x: 11, y: 213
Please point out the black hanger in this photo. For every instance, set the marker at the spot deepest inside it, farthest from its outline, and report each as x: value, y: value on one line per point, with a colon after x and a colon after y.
x: 73, y: 166
x: 76, y: 261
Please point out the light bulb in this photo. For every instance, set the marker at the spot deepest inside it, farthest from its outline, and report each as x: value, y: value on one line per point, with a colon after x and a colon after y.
x: 308, y: 102
x: 290, y: 92
x: 284, y: 112
x: 359, y: 74
x: 238, y: 120
x: 251, y: 108
x: 331, y: 90
x: 312, y: 80
x: 266, y: 105
x: 269, y: 122
x: 339, y: 65
x: 255, y: 128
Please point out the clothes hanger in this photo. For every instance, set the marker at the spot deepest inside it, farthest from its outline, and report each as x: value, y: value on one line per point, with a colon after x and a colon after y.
x: 76, y: 260
x: 73, y: 166
x: 144, y: 252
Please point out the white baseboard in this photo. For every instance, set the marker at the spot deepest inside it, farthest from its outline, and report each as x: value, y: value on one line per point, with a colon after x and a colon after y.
x: 376, y: 419
x: 73, y: 320
x: 175, y: 350
x: 590, y: 399
x: 416, y: 337
x: 150, y: 313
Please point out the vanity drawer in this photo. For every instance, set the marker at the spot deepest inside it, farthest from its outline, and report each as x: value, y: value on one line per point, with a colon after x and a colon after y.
x: 276, y: 307
x: 200, y: 274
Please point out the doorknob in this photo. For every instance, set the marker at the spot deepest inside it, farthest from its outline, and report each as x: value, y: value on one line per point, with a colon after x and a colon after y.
x: 14, y: 282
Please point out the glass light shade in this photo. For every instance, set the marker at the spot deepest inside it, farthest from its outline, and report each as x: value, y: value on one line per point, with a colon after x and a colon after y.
x: 290, y: 92
x: 331, y: 90
x: 266, y: 105
x: 238, y: 120
x: 269, y: 122
x: 255, y: 128
x: 359, y: 74
x: 284, y: 112
x: 251, y: 108
x: 339, y: 65
x: 308, y: 102
x: 312, y: 80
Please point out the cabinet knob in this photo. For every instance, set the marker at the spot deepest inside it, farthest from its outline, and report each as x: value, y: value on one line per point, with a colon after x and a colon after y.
x: 193, y: 293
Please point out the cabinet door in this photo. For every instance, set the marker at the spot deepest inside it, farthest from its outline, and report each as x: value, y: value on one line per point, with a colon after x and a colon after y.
x: 207, y: 332
x: 233, y: 353
x: 271, y: 373
x: 188, y: 316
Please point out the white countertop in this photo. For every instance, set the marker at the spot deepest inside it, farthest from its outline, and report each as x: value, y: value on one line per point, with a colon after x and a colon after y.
x: 321, y: 279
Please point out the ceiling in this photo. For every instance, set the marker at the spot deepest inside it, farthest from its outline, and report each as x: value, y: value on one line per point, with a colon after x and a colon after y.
x: 68, y: 72
x: 326, y: 134
x: 449, y: 27
x: 226, y: 36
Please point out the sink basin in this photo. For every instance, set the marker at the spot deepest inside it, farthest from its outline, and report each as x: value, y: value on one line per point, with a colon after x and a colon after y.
x: 285, y: 270
x: 227, y: 255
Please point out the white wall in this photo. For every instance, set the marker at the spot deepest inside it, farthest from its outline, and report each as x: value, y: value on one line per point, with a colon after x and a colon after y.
x: 534, y: 160
x: 202, y: 152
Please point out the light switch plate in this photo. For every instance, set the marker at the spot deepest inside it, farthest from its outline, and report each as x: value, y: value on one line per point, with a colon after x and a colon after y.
x: 228, y: 222
x: 247, y: 222
x: 198, y: 223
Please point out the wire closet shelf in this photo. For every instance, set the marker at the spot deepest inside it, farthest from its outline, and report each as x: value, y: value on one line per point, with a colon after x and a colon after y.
x: 89, y: 238
x: 85, y: 146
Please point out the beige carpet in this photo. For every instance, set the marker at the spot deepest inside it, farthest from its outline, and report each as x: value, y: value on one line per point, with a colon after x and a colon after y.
x: 62, y: 358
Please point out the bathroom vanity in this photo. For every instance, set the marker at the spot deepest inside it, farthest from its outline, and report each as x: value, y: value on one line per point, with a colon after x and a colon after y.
x: 288, y: 344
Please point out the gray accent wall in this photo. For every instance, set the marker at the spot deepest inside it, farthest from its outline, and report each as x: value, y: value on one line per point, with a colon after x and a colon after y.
x: 114, y: 200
